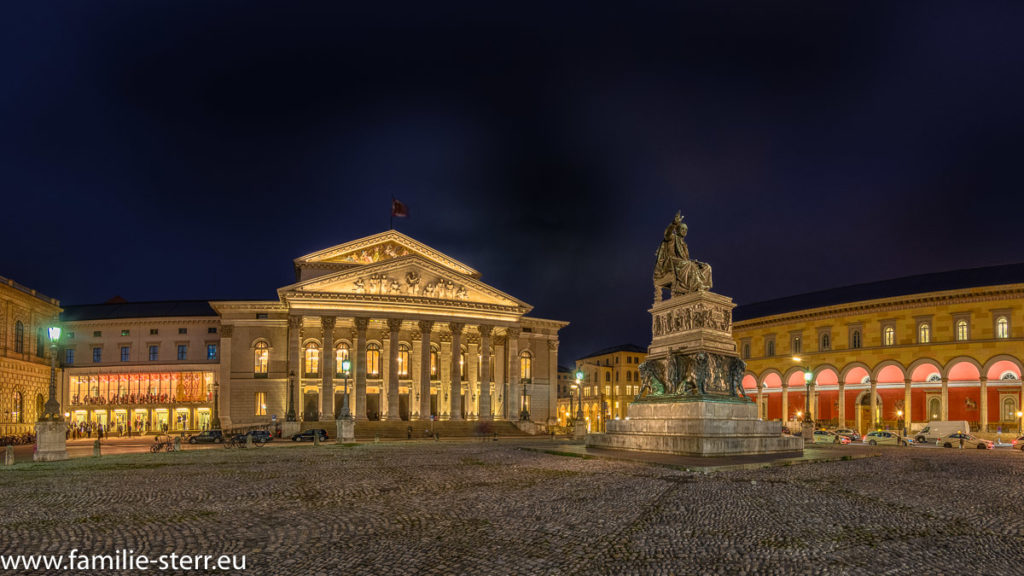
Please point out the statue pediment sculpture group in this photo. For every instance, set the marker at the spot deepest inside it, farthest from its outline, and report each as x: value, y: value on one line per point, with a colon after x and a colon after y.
x: 674, y: 269
x: 696, y: 374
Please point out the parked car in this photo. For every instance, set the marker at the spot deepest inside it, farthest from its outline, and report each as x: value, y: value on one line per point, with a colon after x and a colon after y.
x: 937, y: 429
x: 207, y: 437
x: 970, y: 441
x: 849, y: 433
x: 307, y: 435
x: 883, y: 437
x: 261, y: 435
x: 827, y: 437
x: 1019, y: 443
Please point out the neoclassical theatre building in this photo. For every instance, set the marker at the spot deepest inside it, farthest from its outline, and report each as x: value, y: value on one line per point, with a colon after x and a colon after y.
x: 425, y: 338
x: 946, y: 346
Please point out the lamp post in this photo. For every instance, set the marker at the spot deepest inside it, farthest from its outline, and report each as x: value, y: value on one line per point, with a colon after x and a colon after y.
x: 808, y: 423
x: 899, y: 422
x: 290, y: 414
x: 51, y: 412
x: 579, y: 396
x: 1020, y: 420
x: 524, y: 415
x: 579, y: 431
x: 568, y: 413
x: 346, y: 365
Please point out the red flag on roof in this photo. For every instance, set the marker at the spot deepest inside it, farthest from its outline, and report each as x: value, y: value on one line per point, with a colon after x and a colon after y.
x: 398, y: 210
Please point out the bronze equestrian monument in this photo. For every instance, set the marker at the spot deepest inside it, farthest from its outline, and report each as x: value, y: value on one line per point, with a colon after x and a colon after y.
x: 692, y: 401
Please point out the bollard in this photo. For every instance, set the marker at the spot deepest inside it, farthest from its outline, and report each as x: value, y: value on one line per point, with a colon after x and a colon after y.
x: 316, y: 437
x: 495, y: 436
x: 9, y: 455
x: 376, y: 437
x: 177, y: 444
x: 248, y: 440
x: 96, y: 448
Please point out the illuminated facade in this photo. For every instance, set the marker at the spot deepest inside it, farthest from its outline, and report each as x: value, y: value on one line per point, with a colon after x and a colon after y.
x: 611, y: 380
x: 150, y: 366
x: 944, y: 346
x: 24, y: 355
x: 426, y: 339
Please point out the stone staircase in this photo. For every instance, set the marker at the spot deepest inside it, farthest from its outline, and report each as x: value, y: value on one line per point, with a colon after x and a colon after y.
x: 398, y: 430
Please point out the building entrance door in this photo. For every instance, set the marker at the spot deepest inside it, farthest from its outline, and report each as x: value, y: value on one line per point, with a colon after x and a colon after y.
x: 403, y: 406
x: 310, y: 406
x: 433, y: 404
x: 373, y: 406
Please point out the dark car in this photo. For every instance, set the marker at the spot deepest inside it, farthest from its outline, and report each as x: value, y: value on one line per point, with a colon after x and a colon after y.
x: 307, y: 435
x: 207, y: 437
x: 259, y: 437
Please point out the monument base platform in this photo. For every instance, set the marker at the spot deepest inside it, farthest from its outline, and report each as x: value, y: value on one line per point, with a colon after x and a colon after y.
x: 51, y: 442
x: 696, y: 426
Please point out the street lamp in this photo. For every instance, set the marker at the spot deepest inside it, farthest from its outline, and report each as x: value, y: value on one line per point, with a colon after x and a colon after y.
x: 1020, y: 419
x: 51, y: 411
x: 899, y: 422
x: 579, y: 396
x: 290, y: 415
x: 346, y: 365
x: 568, y: 413
x: 524, y: 415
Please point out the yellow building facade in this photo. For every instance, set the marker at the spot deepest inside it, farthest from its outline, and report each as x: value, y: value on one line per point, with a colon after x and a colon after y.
x: 611, y: 380
x: 891, y: 354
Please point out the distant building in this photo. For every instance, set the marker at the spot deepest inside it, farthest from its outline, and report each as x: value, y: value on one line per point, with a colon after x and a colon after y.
x: 946, y: 346
x: 24, y: 355
x: 611, y: 380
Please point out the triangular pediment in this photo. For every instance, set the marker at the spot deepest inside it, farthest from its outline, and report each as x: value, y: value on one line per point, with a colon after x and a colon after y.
x: 388, y: 245
x: 409, y: 278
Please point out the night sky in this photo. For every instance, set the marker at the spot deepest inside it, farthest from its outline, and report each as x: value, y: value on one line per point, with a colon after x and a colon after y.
x: 191, y: 150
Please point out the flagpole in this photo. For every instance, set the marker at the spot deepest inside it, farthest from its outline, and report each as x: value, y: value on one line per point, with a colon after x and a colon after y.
x: 391, y: 220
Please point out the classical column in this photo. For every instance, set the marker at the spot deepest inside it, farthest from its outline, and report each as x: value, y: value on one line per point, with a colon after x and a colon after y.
x: 485, y: 371
x: 945, y: 399
x: 785, y: 402
x: 553, y: 384
x: 500, y: 404
x: 906, y: 404
x: 294, y: 363
x: 456, y: 390
x: 983, y: 404
x: 472, y: 365
x: 812, y: 410
x: 444, y: 376
x: 425, y: 327
x: 874, y: 403
x: 359, y: 363
x: 221, y: 389
x: 327, y: 366
x: 760, y: 400
x: 415, y: 371
x: 842, y: 405
x: 394, y: 327
x: 515, y: 397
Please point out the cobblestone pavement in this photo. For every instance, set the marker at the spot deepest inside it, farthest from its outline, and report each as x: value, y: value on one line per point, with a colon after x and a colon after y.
x: 488, y: 508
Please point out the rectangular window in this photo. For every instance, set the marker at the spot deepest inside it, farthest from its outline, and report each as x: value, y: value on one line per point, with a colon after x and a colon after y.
x: 69, y: 356
x: 97, y: 354
x: 154, y: 353
x: 97, y: 334
x: 211, y: 351
x: 125, y: 332
x: 182, y: 330
x: 182, y: 351
x: 211, y: 330
x: 796, y: 344
x: 607, y: 390
x: 126, y: 353
x: 261, y: 315
x: 261, y: 403
x: 154, y: 331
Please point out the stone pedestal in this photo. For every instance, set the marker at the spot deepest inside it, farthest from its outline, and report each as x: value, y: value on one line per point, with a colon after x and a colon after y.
x: 51, y: 442
x: 698, y: 426
x: 289, y: 428
x: 579, y: 431
x: 807, y: 433
x: 346, y: 430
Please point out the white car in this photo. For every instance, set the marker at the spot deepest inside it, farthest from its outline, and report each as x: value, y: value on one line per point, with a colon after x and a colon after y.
x: 883, y: 437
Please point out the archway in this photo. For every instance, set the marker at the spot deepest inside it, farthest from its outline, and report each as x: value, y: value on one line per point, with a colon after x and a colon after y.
x: 863, y: 404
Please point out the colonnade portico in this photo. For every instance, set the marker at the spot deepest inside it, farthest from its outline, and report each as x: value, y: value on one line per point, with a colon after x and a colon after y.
x: 416, y: 382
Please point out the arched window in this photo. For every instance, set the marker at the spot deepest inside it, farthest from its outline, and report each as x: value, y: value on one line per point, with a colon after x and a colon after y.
x: 888, y: 336
x: 340, y: 355
x: 796, y: 344
x: 961, y: 330
x: 855, y: 339
x: 924, y: 333
x: 403, y: 361
x: 769, y: 348
x: 19, y: 337
x: 607, y: 376
x: 826, y: 341
x: 1008, y: 375
x: 312, y: 363
x: 526, y: 365
x: 1009, y: 408
x: 1002, y: 327
x: 934, y: 377
x: 433, y: 363
x: 373, y: 360
x: 462, y: 364
x: 18, y: 412
x: 40, y: 344
x: 629, y: 376
x: 261, y: 359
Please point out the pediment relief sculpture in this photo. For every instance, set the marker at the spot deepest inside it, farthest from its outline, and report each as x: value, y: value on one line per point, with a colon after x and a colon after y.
x: 411, y: 284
